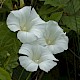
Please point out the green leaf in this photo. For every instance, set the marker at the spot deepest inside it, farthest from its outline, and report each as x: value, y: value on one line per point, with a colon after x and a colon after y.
x: 56, y: 2
x: 56, y: 16
x: 66, y: 29
x: 46, y: 9
x: 21, y: 3
x: 49, y: 12
x: 72, y: 6
x: 41, y: 0
x: 9, y: 46
x: 20, y: 73
x: 72, y: 22
x: 4, y: 75
x: 8, y: 3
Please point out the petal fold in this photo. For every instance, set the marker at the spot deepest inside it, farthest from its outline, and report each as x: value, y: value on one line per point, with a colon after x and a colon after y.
x: 60, y: 44
x: 47, y: 65
x: 28, y: 64
x: 13, y: 22
x: 26, y: 37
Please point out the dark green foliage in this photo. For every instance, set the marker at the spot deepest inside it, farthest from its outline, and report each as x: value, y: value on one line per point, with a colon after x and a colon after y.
x: 19, y: 73
x: 9, y: 46
x: 4, y: 75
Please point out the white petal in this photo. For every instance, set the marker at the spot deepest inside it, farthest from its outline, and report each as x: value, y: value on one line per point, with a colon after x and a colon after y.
x: 34, y: 17
x: 13, y: 22
x: 49, y: 30
x: 33, y: 14
x: 18, y: 18
x: 33, y: 51
x: 37, y: 50
x: 54, y: 37
x: 22, y: 15
x: 26, y: 50
x: 32, y: 67
x: 37, y: 21
x: 13, y: 28
x: 23, y: 18
x: 26, y: 17
x: 28, y: 64
x: 47, y: 65
x: 48, y: 56
x: 29, y: 17
x: 52, y: 30
x: 39, y: 41
x: 60, y: 45
x: 26, y: 37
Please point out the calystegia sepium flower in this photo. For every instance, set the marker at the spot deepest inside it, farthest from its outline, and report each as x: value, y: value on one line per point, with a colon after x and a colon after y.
x: 53, y: 37
x: 23, y: 21
x: 40, y: 39
x: 35, y: 56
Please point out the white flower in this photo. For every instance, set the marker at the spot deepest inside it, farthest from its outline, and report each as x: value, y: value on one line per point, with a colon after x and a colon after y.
x: 36, y: 56
x: 24, y: 20
x: 53, y: 37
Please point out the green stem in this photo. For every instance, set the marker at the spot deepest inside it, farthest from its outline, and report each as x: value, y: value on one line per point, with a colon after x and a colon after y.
x: 74, y: 54
x: 6, y: 62
x: 21, y: 74
x: 76, y: 26
x: 29, y: 76
x: 41, y: 75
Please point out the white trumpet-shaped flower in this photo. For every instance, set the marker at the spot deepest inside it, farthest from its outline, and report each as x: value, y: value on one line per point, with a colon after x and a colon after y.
x: 53, y: 37
x: 35, y: 56
x: 24, y: 20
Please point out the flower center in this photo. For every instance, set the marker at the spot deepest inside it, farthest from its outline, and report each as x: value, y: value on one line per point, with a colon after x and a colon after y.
x: 37, y: 61
x: 48, y: 41
x: 24, y: 29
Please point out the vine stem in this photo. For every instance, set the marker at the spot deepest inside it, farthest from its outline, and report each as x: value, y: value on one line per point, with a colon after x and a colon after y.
x: 29, y: 76
x: 75, y: 40
x: 7, y: 61
x: 21, y: 74
x: 74, y: 54
x: 76, y: 26
x: 41, y: 75
x: 2, y: 3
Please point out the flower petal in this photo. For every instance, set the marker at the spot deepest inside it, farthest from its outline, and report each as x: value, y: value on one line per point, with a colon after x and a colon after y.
x: 36, y: 21
x: 22, y: 15
x: 26, y: 37
x: 47, y: 65
x: 26, y: 50
x: 29, y: 17
x: 34, y: 18
x: 18, y: 17
x: 56, y: 40
x: 49, y: 31
x: 52, y: 30
x: 28, y: 64
x: 13, y: 22
x: 22, y: 19
x: 48, y: 56
x: 60, y: 45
